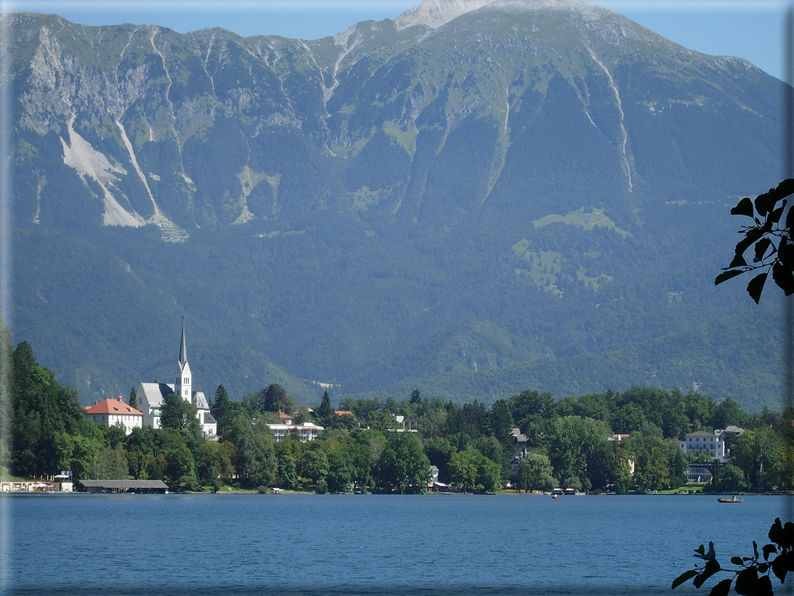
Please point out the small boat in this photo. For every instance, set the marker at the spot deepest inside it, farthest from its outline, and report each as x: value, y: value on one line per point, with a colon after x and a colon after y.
x: 555, y: 496
x: 731, y: 500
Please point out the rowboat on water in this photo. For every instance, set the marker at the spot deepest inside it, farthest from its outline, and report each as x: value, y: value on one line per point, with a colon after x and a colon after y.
x: 731, y: 500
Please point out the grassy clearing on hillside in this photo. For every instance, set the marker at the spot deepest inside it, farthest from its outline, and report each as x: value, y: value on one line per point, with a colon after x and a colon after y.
x: 581, y: 218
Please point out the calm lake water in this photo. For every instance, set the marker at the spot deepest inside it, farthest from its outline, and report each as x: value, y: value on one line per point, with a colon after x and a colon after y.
x: 324, y: 544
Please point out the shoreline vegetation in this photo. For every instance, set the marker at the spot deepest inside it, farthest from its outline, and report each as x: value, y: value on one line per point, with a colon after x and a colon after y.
x: 621, y: 443
x: 500, y: 493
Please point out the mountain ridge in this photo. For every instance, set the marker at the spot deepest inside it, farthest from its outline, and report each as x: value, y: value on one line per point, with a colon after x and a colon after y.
x: 322, y: 208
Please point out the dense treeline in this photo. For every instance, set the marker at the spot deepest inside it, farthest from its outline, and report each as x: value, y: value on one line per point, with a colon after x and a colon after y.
x: 568, y: 442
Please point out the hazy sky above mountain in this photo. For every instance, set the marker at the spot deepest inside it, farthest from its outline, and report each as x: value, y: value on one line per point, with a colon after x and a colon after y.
x: 751, y: 29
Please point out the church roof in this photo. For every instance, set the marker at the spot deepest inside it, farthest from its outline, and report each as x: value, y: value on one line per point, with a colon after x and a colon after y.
x: 113, y: 406
x: 200, y: 401
x: 155, y: 392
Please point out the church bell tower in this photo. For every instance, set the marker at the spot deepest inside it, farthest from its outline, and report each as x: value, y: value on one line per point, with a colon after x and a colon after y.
x: 184, y: 382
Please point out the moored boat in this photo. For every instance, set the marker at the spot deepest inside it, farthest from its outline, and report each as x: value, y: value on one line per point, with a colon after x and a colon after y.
x: 731, y: 500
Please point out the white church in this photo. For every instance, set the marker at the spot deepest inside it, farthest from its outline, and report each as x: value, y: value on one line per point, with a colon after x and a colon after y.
x: 150, y: 395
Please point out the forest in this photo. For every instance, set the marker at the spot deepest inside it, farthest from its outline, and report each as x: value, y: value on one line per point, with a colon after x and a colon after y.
x: 568, y: 443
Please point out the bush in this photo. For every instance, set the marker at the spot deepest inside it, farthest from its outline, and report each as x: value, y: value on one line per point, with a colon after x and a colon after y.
x: 189, y: 483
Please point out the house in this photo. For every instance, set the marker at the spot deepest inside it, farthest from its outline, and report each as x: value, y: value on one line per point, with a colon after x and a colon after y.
x: 408, y: 424
x: 114, y: 411
x: 520, y: 454
x: 705, y: 443
x: 150, y: 396
x: 307, y: 430
x: 517, y: 436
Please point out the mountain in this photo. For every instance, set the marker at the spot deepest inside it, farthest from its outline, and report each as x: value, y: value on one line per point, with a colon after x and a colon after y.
x: 475, y: 198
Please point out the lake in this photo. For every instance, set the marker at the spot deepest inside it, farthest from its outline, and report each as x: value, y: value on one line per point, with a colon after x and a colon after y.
x: 368, y: 544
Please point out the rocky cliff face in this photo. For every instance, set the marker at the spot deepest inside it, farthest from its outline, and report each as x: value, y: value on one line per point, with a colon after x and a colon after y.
x: 536, y: 138
x: 137, y: 108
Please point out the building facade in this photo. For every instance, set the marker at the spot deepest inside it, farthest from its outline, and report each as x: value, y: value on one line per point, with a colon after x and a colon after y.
x: 307, y: 430
x: 705, y: 443
x: 114, y: 411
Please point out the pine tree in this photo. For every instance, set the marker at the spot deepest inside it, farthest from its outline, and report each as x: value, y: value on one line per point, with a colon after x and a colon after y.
x: 133, y: 399
x: 220, y: 405
x: 326, y: 411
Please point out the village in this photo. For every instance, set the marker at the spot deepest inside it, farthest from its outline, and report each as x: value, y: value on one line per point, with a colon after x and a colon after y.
x: 170, y: 437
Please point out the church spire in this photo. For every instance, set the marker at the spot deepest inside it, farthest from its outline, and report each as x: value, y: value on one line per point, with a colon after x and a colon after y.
x: 183, y: 386
x: 183, y: 347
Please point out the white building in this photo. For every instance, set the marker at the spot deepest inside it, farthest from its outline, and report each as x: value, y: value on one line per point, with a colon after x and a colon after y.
x: 114, y: 411
x: 308, y: 431
x: 150, y: 396
x: 705, y: 443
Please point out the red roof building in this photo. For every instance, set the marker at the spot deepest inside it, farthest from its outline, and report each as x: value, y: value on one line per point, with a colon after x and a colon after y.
x: 115, y: 411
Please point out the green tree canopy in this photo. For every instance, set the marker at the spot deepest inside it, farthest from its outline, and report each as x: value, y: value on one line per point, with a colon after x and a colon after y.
x: 257, y: 465
x: 179, y: 414
x: 535, y: 473
x: 404, y: 467
x: 325, y: 412
x: 42, y: 409
x: 219, y: 406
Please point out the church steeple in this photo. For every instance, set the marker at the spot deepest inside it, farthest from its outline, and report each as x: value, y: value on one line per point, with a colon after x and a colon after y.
x: 183, y: 347
x: 183, y: 384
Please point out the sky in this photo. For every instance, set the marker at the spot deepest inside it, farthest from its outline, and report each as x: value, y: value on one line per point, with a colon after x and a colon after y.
x: 750, y: 29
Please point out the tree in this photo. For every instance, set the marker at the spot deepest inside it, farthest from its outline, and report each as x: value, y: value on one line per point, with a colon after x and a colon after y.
x: 213, y: 462
x: 535, y: 472
x: 474, y: 472
x: 572, y: 445
x: 42, y: 409
x: 403, y: 465
x: 501, y: 423
x: 286, y: 474
x: 416, y: 397
x: 752, y: 574
x: 107, y: 464
x: 728, y: 412
x: 133, y: 398
x: 760, y: 453
x: 274, y: 399
x: 6, y: 363
x: 256, y: 464
x: 179, y: 414
x: 733, y: 479
x: 340, y: 472
x: 220, y: 405
x: 360, y: 459
x: 179, y: 463
x: 533, y: 412
x: 314, y: 466
x: 326, y: 411
x: 651, y: 466
x: 773, y: 251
